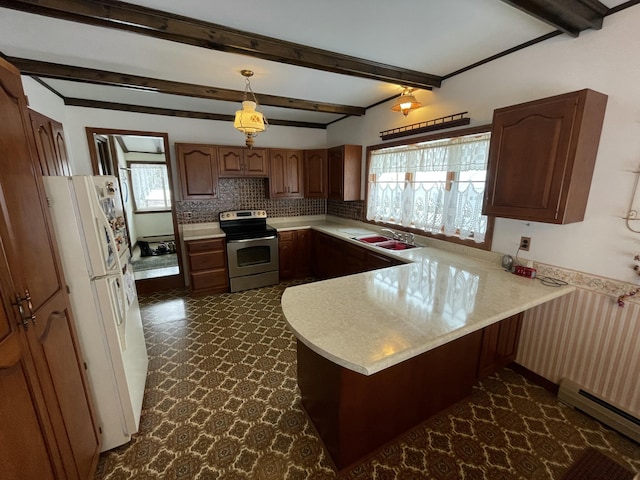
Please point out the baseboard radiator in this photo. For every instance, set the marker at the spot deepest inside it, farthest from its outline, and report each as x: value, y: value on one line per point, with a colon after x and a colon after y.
x: 157, y: 238
x: 573, y: 394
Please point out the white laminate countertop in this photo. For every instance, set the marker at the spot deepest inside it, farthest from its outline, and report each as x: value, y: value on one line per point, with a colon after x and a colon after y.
x: 371, y: 321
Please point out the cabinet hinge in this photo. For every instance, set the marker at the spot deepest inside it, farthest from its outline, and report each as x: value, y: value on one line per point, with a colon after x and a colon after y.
x: 100, y: 430
x: 85, y: 365
x: 68, y: 290
x: 48, y: 202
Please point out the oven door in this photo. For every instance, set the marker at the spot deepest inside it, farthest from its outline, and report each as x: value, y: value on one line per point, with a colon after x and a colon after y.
x: 252, y: 256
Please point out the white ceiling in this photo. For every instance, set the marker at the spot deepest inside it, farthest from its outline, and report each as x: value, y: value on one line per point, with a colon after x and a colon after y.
x: 436, y: 37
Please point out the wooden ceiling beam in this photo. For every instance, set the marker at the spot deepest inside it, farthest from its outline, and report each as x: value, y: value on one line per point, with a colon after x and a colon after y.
x: 176, y: 28
x: 568, y: 16
x: 103, y: 77
x: 125, y: 107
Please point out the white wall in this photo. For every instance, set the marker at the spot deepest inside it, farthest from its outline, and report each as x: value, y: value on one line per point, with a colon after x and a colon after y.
x: 606, y: 61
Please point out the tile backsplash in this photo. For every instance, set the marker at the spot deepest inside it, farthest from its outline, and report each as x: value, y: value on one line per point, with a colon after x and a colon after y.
x: 246, y: 193
x: 350, y: 210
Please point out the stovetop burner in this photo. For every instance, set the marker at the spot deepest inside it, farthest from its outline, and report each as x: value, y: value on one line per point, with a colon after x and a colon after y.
x: 246, y: 224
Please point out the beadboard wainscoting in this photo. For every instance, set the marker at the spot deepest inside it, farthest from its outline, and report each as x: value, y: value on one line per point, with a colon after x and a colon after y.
x: 586, y: 337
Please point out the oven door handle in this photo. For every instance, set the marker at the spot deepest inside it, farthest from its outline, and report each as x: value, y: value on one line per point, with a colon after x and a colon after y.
x: 244, y: 240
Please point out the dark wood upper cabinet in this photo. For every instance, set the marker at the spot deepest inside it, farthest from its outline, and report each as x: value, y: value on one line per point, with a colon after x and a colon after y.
x: 242, y: 162
x: 285, y: 174
x: 198, y: 167
x: 315, y: 173
x: 50, y: 144
x: 542, y: 156
x: 344, y: 173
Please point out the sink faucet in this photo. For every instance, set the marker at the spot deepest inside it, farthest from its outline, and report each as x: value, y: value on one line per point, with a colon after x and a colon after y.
x: 410, y: 238
x: 395, y: 235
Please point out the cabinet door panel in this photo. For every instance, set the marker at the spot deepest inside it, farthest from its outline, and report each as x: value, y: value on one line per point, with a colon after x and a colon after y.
x: 539, y: 140
x: 24, y: 433
x: 61, y: 149
x: 256, y: 162
x: 336, y: 177
x: 198, y: 166
x: 499, y: 345
x: 230, y: 162
x: 294, y: 166
x: 542, y: 156
x: 278, y: 174
x: 50, y: 145
x: 287, y: 255
x: 345, y: 164
x: 303, y: 268
x: 52, y: 344
x: 315, y: 174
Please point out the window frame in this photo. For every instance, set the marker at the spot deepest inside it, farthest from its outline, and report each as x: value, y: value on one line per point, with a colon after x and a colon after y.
x: 136, y: 209
x: 486, y: 244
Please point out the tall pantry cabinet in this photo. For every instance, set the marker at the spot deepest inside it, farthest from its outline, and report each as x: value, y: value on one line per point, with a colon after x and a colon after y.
x: 47, y: 421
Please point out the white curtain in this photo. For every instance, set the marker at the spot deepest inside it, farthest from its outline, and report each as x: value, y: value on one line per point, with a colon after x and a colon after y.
x: 408, y: 186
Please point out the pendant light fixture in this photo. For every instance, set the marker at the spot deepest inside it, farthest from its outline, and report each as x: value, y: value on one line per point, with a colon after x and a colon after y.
x: 405, y: 102
x: 248, y: 120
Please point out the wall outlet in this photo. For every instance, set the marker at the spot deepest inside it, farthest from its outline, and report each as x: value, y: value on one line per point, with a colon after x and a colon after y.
x: 186, y: 215
x: 525, y: 243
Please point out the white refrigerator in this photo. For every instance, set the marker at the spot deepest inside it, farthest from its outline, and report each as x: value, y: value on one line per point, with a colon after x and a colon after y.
x: 92, y: 238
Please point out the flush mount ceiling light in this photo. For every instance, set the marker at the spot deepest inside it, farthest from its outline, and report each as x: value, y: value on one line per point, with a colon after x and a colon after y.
x: 249, y: 121
x: 405, y: 102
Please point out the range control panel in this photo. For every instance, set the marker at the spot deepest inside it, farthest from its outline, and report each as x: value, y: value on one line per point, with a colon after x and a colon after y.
x: 243, y: 214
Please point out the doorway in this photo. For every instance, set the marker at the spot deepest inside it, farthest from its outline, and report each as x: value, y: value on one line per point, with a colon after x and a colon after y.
x: 141, y: 163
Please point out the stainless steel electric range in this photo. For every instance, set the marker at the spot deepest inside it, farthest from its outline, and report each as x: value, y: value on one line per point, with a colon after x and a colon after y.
x: 252, y: 249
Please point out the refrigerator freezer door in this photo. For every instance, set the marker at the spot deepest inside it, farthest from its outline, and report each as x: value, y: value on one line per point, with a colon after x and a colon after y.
x: 103, y: 223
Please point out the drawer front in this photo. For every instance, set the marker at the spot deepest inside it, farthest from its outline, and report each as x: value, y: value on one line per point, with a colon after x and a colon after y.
x: 207, y: 261
x: 204, y: 245
x: 287, y: 236
x: 213, y: 281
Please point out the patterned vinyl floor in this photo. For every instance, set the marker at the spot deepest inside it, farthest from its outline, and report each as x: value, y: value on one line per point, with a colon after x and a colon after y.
x: 221, y: 402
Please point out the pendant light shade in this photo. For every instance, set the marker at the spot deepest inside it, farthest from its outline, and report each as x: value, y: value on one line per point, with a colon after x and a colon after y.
x: 248, y: 120
x: 405, y: 103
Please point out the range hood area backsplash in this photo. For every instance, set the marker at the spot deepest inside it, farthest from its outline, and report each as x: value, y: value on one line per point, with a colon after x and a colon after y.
x: 250, y: 193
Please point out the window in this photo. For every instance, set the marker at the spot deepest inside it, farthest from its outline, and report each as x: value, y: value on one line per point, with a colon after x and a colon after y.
x: 435, y: 186
x: 150, y: 185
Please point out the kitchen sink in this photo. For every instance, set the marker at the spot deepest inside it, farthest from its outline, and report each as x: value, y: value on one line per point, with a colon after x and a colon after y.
x: 385, y: 242
x: 394, y: 245
x: 373, y: 239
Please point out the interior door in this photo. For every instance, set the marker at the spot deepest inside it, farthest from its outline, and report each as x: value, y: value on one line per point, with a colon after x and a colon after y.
x: 35, y: 271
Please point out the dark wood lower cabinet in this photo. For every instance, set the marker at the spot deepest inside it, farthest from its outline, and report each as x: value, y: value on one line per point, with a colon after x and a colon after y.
x: 354, y: 414
x: 294, y: 253
x: 332, y: 257
x: 499, y: 345
x: 207, y: 260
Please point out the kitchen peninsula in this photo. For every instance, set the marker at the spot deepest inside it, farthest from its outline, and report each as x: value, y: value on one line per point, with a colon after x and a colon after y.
x: 381, y: 351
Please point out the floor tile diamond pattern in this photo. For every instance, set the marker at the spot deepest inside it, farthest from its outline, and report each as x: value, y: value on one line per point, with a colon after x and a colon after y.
x: 221, y: 402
